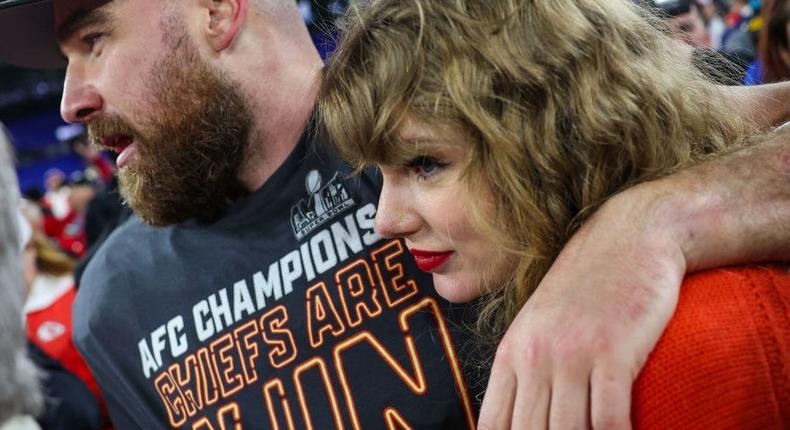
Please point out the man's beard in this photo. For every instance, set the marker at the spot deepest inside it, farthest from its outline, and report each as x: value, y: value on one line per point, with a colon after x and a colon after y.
x: 190, y: 148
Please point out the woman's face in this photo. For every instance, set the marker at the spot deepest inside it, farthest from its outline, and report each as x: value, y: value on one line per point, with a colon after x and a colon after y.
x: 426, y: 203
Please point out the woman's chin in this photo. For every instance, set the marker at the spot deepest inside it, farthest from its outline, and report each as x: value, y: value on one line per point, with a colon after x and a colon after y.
x: 456, y: 289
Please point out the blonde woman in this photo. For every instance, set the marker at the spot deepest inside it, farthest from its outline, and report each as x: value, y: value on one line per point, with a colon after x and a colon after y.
x: 500, y: 127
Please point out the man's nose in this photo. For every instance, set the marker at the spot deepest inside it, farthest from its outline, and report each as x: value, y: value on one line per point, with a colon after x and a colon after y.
x: 81, y: 101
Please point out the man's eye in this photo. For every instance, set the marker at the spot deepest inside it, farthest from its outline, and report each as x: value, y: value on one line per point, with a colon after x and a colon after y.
x: 92, y: 39
x: 426, y: 167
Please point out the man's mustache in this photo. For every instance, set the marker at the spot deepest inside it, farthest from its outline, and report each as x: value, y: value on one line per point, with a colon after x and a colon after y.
x: 104, y: 132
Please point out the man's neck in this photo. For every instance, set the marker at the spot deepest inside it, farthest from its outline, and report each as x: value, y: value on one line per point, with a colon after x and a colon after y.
x: 279, y: 126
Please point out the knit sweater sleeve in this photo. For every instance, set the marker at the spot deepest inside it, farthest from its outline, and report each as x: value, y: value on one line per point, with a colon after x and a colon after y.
x: 724, y: 360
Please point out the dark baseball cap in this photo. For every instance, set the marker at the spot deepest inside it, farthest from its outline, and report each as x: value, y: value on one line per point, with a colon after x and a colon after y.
x: 28, y: 30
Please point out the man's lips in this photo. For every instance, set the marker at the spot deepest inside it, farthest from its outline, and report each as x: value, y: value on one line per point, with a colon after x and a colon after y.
x: 124, y: 145
x: 115, y: 142
x: 429, y: 261
x: 126, y: 155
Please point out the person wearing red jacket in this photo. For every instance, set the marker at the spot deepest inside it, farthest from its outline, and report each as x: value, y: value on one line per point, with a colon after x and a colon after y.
x: 48, y: 315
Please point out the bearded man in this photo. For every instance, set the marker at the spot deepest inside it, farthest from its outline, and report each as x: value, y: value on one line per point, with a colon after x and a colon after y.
x: 230, y: 301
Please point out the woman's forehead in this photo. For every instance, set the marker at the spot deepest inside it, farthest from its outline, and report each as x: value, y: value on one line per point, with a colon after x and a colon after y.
x: 427, y: 132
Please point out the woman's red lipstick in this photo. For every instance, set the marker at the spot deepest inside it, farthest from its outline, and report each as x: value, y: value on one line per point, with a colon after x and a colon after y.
x: 428, y: 261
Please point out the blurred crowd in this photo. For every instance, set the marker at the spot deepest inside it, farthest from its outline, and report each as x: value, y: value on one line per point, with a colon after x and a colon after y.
x: 61, y: 224
x: 746, y: 41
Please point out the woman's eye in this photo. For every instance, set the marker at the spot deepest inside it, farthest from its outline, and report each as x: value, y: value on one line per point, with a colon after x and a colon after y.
x: 426, y: 167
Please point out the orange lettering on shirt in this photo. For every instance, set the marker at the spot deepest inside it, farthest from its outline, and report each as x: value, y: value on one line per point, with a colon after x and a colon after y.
x: 274, y: 395
x: 321, y: 315
x: 391, y: 275
x: 277, y: 335
x: 395, y: 420
x: 358, y: 292
x: 319, y: 363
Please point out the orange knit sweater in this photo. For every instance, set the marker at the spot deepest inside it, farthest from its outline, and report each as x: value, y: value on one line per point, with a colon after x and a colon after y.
x: 724, y: 360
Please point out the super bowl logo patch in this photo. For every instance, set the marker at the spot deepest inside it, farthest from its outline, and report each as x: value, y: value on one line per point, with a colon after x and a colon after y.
x: 323, y: 202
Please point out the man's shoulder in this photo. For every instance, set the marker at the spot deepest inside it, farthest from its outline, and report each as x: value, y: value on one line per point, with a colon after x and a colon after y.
x: 116, y: 278
x: 120, y: 258
x: 131, y: 230
x: 129, y: 240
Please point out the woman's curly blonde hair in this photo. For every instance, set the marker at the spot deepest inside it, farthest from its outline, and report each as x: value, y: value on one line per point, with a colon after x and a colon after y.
x: 565, y: 103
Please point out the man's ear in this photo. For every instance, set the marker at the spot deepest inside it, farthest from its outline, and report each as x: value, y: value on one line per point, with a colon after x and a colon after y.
x: 223, y: 22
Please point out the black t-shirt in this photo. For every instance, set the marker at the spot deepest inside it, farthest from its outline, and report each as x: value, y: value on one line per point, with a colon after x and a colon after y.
x: 288, y: 312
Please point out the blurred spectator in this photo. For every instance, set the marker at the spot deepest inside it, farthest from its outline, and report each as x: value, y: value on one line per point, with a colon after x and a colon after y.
x: 773, y: 61
x: 713, y: 12
x: 33, y: 214
x: 68, y: 229
x: 690, y: 26
x: 66, y: 203
x: 686, y: 20
x: 739, y: 42
x: 71, y: 397
x: 701, y: 25
x: 56, y: 196
x: 19, y: 394
x: 48, y: 273
x: 97, y: 167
